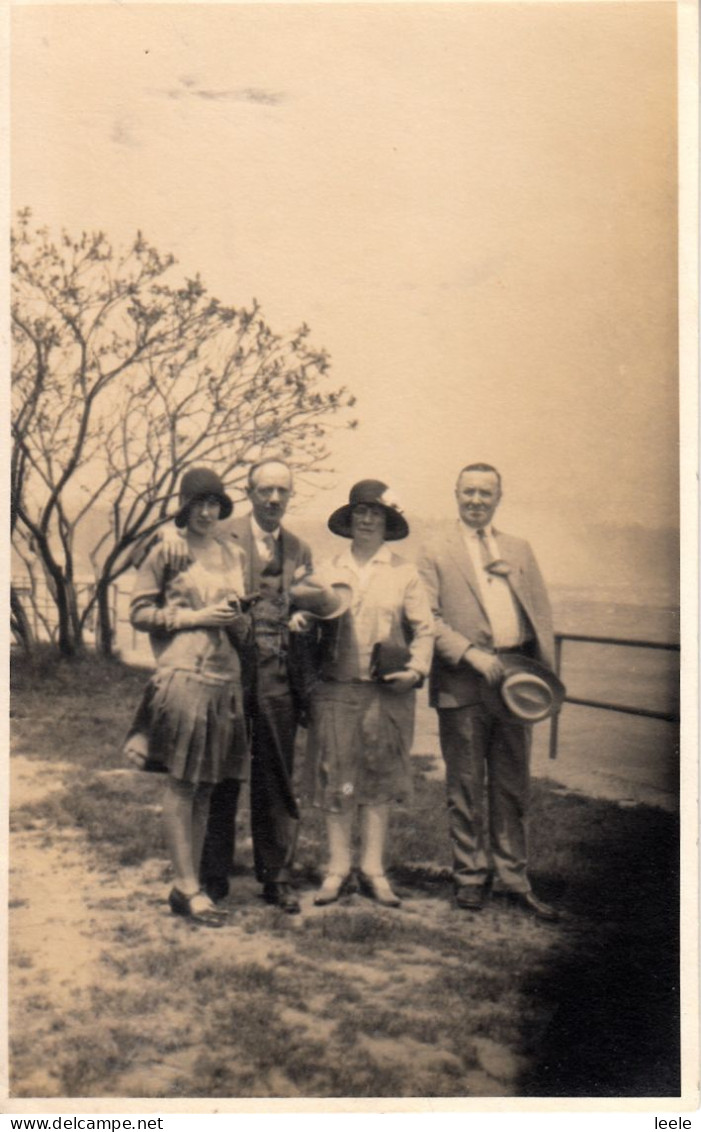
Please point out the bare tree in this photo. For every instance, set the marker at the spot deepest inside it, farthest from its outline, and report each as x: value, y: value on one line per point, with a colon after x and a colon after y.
x: 122, y: 380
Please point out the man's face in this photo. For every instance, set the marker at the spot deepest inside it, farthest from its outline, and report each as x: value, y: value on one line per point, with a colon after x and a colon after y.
x: 478, y: 495
x: 270, y: 495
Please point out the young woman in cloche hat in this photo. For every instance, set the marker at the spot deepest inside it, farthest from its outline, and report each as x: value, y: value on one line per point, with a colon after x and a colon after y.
x: 190, y: 723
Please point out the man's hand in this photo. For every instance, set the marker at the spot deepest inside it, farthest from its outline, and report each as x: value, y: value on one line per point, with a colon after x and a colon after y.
x: 174, y: 549
x: 486, y: 663
x: 402, y: 681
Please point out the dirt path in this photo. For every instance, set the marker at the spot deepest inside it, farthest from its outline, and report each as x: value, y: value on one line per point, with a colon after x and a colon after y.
x: 86, y: 945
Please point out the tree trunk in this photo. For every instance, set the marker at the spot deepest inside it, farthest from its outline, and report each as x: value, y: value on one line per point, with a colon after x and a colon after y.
x: 104, y: 630
x: 66, y: 638
x: 20, y: 621
x: 69, y: 642
x: 74, y: 616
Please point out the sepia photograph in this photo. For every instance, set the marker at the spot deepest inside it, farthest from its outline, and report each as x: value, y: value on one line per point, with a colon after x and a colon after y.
x: 345, y: 558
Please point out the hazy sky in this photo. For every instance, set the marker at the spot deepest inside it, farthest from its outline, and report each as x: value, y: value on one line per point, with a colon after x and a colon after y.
x: 472, y: 205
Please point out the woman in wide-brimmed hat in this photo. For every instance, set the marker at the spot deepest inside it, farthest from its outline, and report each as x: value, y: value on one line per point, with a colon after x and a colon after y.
x: 362, y: 711
x: 190, y: 722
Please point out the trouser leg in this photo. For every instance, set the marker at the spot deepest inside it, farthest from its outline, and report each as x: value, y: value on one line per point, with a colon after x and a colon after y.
x: 220, y: 838
x: 374, y: 823
x: 464, y: 734
x: 274, y: 812
x: 509, y: 790
x: 338, y: 832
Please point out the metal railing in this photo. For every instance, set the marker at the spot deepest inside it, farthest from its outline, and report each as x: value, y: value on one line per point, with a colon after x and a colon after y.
x: 606, y: 705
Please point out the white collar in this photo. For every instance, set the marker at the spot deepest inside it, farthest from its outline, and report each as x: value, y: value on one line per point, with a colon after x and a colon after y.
x: 382, y: 554
x: 471, y: 532
x: 259, y: 534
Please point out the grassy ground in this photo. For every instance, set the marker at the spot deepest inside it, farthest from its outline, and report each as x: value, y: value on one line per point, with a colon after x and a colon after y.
x: 118, y: 998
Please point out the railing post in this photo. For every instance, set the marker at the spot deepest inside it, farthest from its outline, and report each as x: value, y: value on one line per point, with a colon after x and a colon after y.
x: 554, y: 719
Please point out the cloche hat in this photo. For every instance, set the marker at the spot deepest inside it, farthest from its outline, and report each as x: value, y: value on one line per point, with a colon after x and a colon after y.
x: 371, y: 491
x: 197, y: 483
x: 530, y: 691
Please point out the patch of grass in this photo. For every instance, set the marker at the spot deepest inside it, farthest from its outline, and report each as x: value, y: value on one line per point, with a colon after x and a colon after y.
x: 356, y: 1074
x: 21, y: 959
x: 392, y: 1022
x: 364, y: 930
x: 125, y: 1004
x: 37, y: 1003
x: 91, y: 1060
x: 348, y: 995
x: 74, y: 709
x: 419, y: 833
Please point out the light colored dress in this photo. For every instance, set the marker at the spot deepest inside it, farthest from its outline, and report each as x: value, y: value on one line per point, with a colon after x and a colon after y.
x: 191, y: 721
x: 360, y: 730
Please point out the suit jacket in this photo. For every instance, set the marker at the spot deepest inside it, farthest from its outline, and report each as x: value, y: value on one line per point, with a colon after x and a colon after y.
x: 296, y: 671
x: 461, y: 620
x: 295, y: 553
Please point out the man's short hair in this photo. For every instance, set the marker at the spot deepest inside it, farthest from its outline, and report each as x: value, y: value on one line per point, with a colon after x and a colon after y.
x: 255, y: 468
x: 479, y: 468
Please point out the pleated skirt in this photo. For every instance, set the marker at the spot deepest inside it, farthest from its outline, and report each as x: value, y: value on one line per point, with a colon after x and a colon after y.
x: 359, y: 745
x: 192, y: 728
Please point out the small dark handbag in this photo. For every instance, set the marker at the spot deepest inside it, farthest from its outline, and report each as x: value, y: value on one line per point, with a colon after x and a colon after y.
x: 386, y: 658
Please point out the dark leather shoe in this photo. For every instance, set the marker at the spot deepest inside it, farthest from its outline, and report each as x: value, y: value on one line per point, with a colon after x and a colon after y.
x: 217, y: 888
x: 470, y: 897
x: 531, y: 903
x: 282, y: 896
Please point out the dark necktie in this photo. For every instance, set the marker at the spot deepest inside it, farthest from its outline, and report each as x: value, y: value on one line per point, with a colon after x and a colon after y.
x: 273, y: 564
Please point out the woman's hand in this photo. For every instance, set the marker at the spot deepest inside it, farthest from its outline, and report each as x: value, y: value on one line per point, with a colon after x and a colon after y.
x: 300, y: 621
x: 403, y: 681
x: 219, y: 616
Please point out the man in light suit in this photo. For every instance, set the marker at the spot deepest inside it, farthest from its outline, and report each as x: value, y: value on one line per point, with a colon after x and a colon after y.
x: 275, y: 696
x: 488, y: 598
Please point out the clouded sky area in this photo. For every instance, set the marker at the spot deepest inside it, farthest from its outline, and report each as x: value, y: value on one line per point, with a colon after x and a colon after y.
x: 473, y: 206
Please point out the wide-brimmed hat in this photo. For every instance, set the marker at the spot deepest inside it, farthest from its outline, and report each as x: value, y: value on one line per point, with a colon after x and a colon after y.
x: 530, y: 690
x: 371, y: 491
x: 197, y: 483
x: 323, y: 599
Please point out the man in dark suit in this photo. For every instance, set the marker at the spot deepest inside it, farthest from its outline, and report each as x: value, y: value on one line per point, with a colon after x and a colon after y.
x: 488, y: 598
x: 275, y: 698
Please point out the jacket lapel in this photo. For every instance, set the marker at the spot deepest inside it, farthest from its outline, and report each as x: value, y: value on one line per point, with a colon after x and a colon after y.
x: 461, y: 557
x: 289, y: 557
x: 244, y: 536
x: 509, y: 551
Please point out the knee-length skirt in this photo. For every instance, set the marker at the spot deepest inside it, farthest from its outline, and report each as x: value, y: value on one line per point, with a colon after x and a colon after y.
x: 359, y: 745
x: 192, y: 728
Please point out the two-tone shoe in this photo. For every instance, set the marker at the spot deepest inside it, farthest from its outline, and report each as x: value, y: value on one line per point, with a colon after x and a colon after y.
x: 378, y: 888
x: 197, y: 907
x: 331, y: 889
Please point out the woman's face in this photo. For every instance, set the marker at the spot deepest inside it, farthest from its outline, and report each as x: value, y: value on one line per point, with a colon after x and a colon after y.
x: 368, y: 524
x: 203, y: 515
